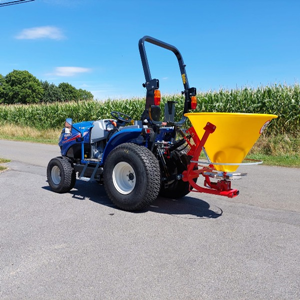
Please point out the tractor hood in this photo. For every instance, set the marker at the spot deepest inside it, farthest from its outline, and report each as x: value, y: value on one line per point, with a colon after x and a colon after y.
x: 83, y: 126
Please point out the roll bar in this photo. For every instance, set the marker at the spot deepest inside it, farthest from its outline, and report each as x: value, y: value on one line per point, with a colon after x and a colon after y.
x: 153, y: 84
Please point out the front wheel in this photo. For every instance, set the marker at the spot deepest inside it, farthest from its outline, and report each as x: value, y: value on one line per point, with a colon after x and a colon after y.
x: 131, y: 177
x: 61, y: 174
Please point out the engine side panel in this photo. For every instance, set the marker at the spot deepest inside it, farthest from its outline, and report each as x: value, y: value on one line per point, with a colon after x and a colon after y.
x: 100, y: 130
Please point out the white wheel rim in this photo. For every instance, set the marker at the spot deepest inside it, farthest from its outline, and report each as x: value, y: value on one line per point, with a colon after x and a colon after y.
x: 124, y: 178
x: 55, y: 175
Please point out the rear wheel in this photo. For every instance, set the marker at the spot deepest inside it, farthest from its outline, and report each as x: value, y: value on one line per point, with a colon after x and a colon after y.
x: 131, y: 177
x: 61, y: 174
x: 176, y: 165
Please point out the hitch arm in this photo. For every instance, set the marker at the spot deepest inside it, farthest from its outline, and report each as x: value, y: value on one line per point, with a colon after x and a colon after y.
x: 222, y: 187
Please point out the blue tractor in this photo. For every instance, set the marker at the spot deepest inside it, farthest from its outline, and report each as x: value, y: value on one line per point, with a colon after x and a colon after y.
x: 136, y: 160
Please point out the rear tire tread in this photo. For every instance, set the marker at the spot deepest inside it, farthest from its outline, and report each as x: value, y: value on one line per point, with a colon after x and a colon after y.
x: 152, y: 173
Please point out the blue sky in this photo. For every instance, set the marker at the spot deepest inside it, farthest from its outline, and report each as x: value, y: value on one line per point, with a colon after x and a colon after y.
x: 93, y: 44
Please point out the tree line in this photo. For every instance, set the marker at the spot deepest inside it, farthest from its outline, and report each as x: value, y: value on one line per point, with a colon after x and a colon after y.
x: 22, y: 87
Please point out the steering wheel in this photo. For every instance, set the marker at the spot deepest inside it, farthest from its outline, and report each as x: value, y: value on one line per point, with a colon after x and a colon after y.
x: 121, y: 117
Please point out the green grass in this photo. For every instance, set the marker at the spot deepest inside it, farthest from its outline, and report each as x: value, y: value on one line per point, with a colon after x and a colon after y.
x: 20, y: 138
x: 2, y: 161
x: 277, y: 150
x: 278, y: 160
x: 29, y: 134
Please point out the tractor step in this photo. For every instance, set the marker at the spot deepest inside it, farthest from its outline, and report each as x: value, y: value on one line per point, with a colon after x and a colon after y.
x: 86, y: 179
x: 92, y: 178
x: 92, y: 160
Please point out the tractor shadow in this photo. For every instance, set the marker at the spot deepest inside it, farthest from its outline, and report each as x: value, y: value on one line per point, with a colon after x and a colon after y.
x: 187, y: 207
x: 90, y: 191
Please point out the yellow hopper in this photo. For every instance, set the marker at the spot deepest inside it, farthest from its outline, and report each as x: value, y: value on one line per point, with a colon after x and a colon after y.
x: 235, y: 135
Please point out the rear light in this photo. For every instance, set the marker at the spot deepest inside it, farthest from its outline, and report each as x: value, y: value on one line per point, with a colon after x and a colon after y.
x: 193, y: 102
x: 147, y: 131
x: 157, y: 97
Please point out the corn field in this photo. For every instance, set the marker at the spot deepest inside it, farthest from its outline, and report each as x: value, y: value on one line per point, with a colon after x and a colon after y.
x: 281, y: 100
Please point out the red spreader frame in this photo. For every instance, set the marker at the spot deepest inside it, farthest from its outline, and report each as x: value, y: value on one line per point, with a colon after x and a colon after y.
x: 221, y: 187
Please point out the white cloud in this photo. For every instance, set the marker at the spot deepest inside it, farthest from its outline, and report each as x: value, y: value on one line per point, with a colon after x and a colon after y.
x: 69, y: 71
x: 48, y: 32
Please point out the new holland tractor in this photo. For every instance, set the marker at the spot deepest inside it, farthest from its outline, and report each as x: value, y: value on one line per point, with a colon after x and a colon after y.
x: 138, y: 160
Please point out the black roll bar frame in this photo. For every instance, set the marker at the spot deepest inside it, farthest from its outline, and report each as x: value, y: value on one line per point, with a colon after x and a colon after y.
x: 153, y: 84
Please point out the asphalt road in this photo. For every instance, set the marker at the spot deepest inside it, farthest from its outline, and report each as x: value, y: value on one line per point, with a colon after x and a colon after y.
x: 79, y: 246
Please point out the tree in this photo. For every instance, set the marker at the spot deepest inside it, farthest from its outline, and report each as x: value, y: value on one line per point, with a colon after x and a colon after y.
x: 85, y: 95
x: 52, y: 93
x: 22, y: 87
x: 3, y: 87
x: 69, y: 92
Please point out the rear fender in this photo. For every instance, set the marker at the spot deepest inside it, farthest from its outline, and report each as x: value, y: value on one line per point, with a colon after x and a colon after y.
x: 130, y: 135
